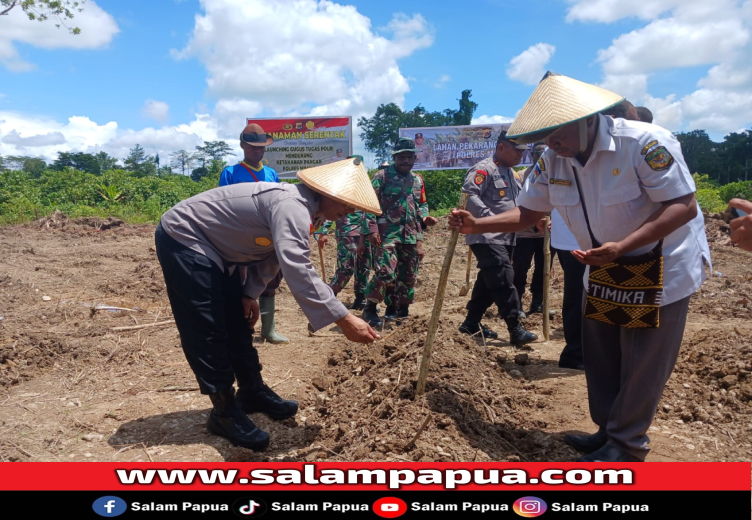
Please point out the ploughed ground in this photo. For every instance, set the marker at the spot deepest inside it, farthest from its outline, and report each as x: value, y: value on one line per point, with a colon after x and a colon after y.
x: 74, y: 388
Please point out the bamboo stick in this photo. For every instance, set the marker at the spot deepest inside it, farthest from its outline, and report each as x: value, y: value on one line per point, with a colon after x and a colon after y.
x: 466, y: 286
x: 321, y: 257
x: 546, y: 276
x: 146, y: 326
x: 437, y: 304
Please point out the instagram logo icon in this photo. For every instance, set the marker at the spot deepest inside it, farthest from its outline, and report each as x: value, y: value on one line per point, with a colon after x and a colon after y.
x: 530, y: 507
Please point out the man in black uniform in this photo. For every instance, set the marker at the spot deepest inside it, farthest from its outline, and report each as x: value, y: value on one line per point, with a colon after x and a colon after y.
x: 493, y: 190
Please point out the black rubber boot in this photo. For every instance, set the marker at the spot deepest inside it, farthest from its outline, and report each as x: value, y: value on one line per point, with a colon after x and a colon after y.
x: 259, y: 398
x: 609, y: 453
x: 587, y: 443
x: 359, y: 303
x: 536, y: 307
x: 390, y: 313
x: 473, y: 329
x: 518, y: 335
x: 370, y: 314
x: 228, y: 420
x: 403, y: 312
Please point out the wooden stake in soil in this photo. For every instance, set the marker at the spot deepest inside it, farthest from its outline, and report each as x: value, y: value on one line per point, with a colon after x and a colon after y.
x: 546, y: 276
x: 437, y: 304
x: 466, y: 286
x: 321, y: 257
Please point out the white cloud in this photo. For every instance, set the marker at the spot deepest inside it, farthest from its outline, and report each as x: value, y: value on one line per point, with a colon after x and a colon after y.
x: 19, y: 132
x: 157, y: 110
x: 97, y: 30
x: 51, y: 138
x: 442, y: 81
x: 680, y: 33
x: 488, y: 120
x: 304, y: 56
x: 530, y: 66
x: 608, y: 11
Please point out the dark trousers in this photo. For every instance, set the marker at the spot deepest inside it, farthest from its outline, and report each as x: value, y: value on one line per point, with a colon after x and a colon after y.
x: 626, y: 372
x: 525, y: 251
x: 495, y: 284
x: 574, y: 271
x: 207, y: 305
x: 271, y: 287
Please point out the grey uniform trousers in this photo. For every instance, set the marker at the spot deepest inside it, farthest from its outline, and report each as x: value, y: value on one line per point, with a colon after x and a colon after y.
x: 626, y: 372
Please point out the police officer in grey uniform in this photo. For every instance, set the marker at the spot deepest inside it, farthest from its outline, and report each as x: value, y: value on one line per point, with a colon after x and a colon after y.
x: 492, y: 190
x: 219, y: 250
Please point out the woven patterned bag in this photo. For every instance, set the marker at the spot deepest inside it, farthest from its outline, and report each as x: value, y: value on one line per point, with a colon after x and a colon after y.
x: 626, y: 292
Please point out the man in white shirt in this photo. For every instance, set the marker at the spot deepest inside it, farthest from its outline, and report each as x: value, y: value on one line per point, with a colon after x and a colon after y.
x: 636, y: 190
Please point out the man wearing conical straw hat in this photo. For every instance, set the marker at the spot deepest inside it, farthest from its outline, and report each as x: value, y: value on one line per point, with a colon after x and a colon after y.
x: 626, y: 194
x: 220, y: 248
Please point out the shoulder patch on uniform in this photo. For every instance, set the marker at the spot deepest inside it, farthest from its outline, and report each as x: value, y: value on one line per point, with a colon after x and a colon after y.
x: 541, y: 164
x: 536, y: 173
x: 648, y: 147
x: 480, y: 176
x: 659, y: 159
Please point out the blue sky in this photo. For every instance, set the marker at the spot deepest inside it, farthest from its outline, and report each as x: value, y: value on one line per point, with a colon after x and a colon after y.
x: 168, y: 74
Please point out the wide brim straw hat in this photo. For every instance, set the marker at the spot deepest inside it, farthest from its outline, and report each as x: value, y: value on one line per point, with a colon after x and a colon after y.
x: 345, y: 181
x: 556, y: 101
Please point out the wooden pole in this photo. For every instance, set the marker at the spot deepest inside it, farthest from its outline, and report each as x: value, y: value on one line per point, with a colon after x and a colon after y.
x: 546, y: 276
x: 466, y: 286
x: 437, y: 304
x: 321, y: 257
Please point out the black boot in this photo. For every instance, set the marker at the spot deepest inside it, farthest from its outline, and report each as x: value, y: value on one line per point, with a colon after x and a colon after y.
x: 609, y: 453
x: 228, y: 420
x: 536, y: 307
x: 587, y: 443
x: 359, y: 302
x: 473, y: 329
x: 390, y: 313
x: 518, y: 335
x: 259, y: 398
x: 370, y: 314
x: 403, y: 312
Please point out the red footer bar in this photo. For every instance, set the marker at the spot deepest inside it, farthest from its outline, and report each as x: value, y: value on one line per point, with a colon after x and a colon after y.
x: 369, y: 476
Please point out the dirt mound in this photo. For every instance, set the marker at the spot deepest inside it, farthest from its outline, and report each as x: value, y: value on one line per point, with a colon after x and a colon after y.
x: 477, y: 402
x: 58, y: 220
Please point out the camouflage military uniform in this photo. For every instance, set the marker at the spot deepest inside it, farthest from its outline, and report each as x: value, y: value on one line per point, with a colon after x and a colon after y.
x: 348, y: 232
x: 404, y: 206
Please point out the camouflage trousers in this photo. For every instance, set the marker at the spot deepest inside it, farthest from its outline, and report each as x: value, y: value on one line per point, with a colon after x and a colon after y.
x: 349, y: 263
x: 395, y: 272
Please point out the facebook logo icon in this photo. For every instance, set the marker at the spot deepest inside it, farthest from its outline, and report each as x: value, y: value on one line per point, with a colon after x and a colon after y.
x: 109, y: 506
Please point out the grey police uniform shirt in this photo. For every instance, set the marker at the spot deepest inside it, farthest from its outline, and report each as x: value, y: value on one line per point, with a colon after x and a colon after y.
x: 491, y: 191
x: 264, y: 226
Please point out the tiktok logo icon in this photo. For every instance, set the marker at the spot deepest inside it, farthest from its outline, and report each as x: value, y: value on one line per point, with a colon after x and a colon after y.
x: 246, y: 507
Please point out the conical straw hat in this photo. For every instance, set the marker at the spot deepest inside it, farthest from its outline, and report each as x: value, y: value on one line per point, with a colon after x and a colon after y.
x: 557, y: 101
x: 346, y: 181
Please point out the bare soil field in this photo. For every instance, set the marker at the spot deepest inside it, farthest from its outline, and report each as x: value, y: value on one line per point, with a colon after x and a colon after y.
x: 76, y: 386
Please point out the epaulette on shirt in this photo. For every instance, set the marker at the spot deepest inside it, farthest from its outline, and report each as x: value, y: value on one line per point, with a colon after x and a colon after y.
x: 652, y: 142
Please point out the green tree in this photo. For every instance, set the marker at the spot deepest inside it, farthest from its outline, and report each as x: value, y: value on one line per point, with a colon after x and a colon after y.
x: 34, y: 167
x: 217, y: 150
x: 84, y: 162
x: 181, y: 160
x: 138, y: 162
x: 42, y: 10
x: 106, y: 162
x: 381, y: 131
x: 199, y: 173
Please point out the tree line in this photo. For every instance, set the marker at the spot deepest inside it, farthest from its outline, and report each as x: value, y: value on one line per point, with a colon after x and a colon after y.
x: 197, y: 164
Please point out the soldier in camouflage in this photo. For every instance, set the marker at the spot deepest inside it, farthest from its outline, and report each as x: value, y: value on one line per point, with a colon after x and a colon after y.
x: 397, y: 234
x: 353, y: 256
